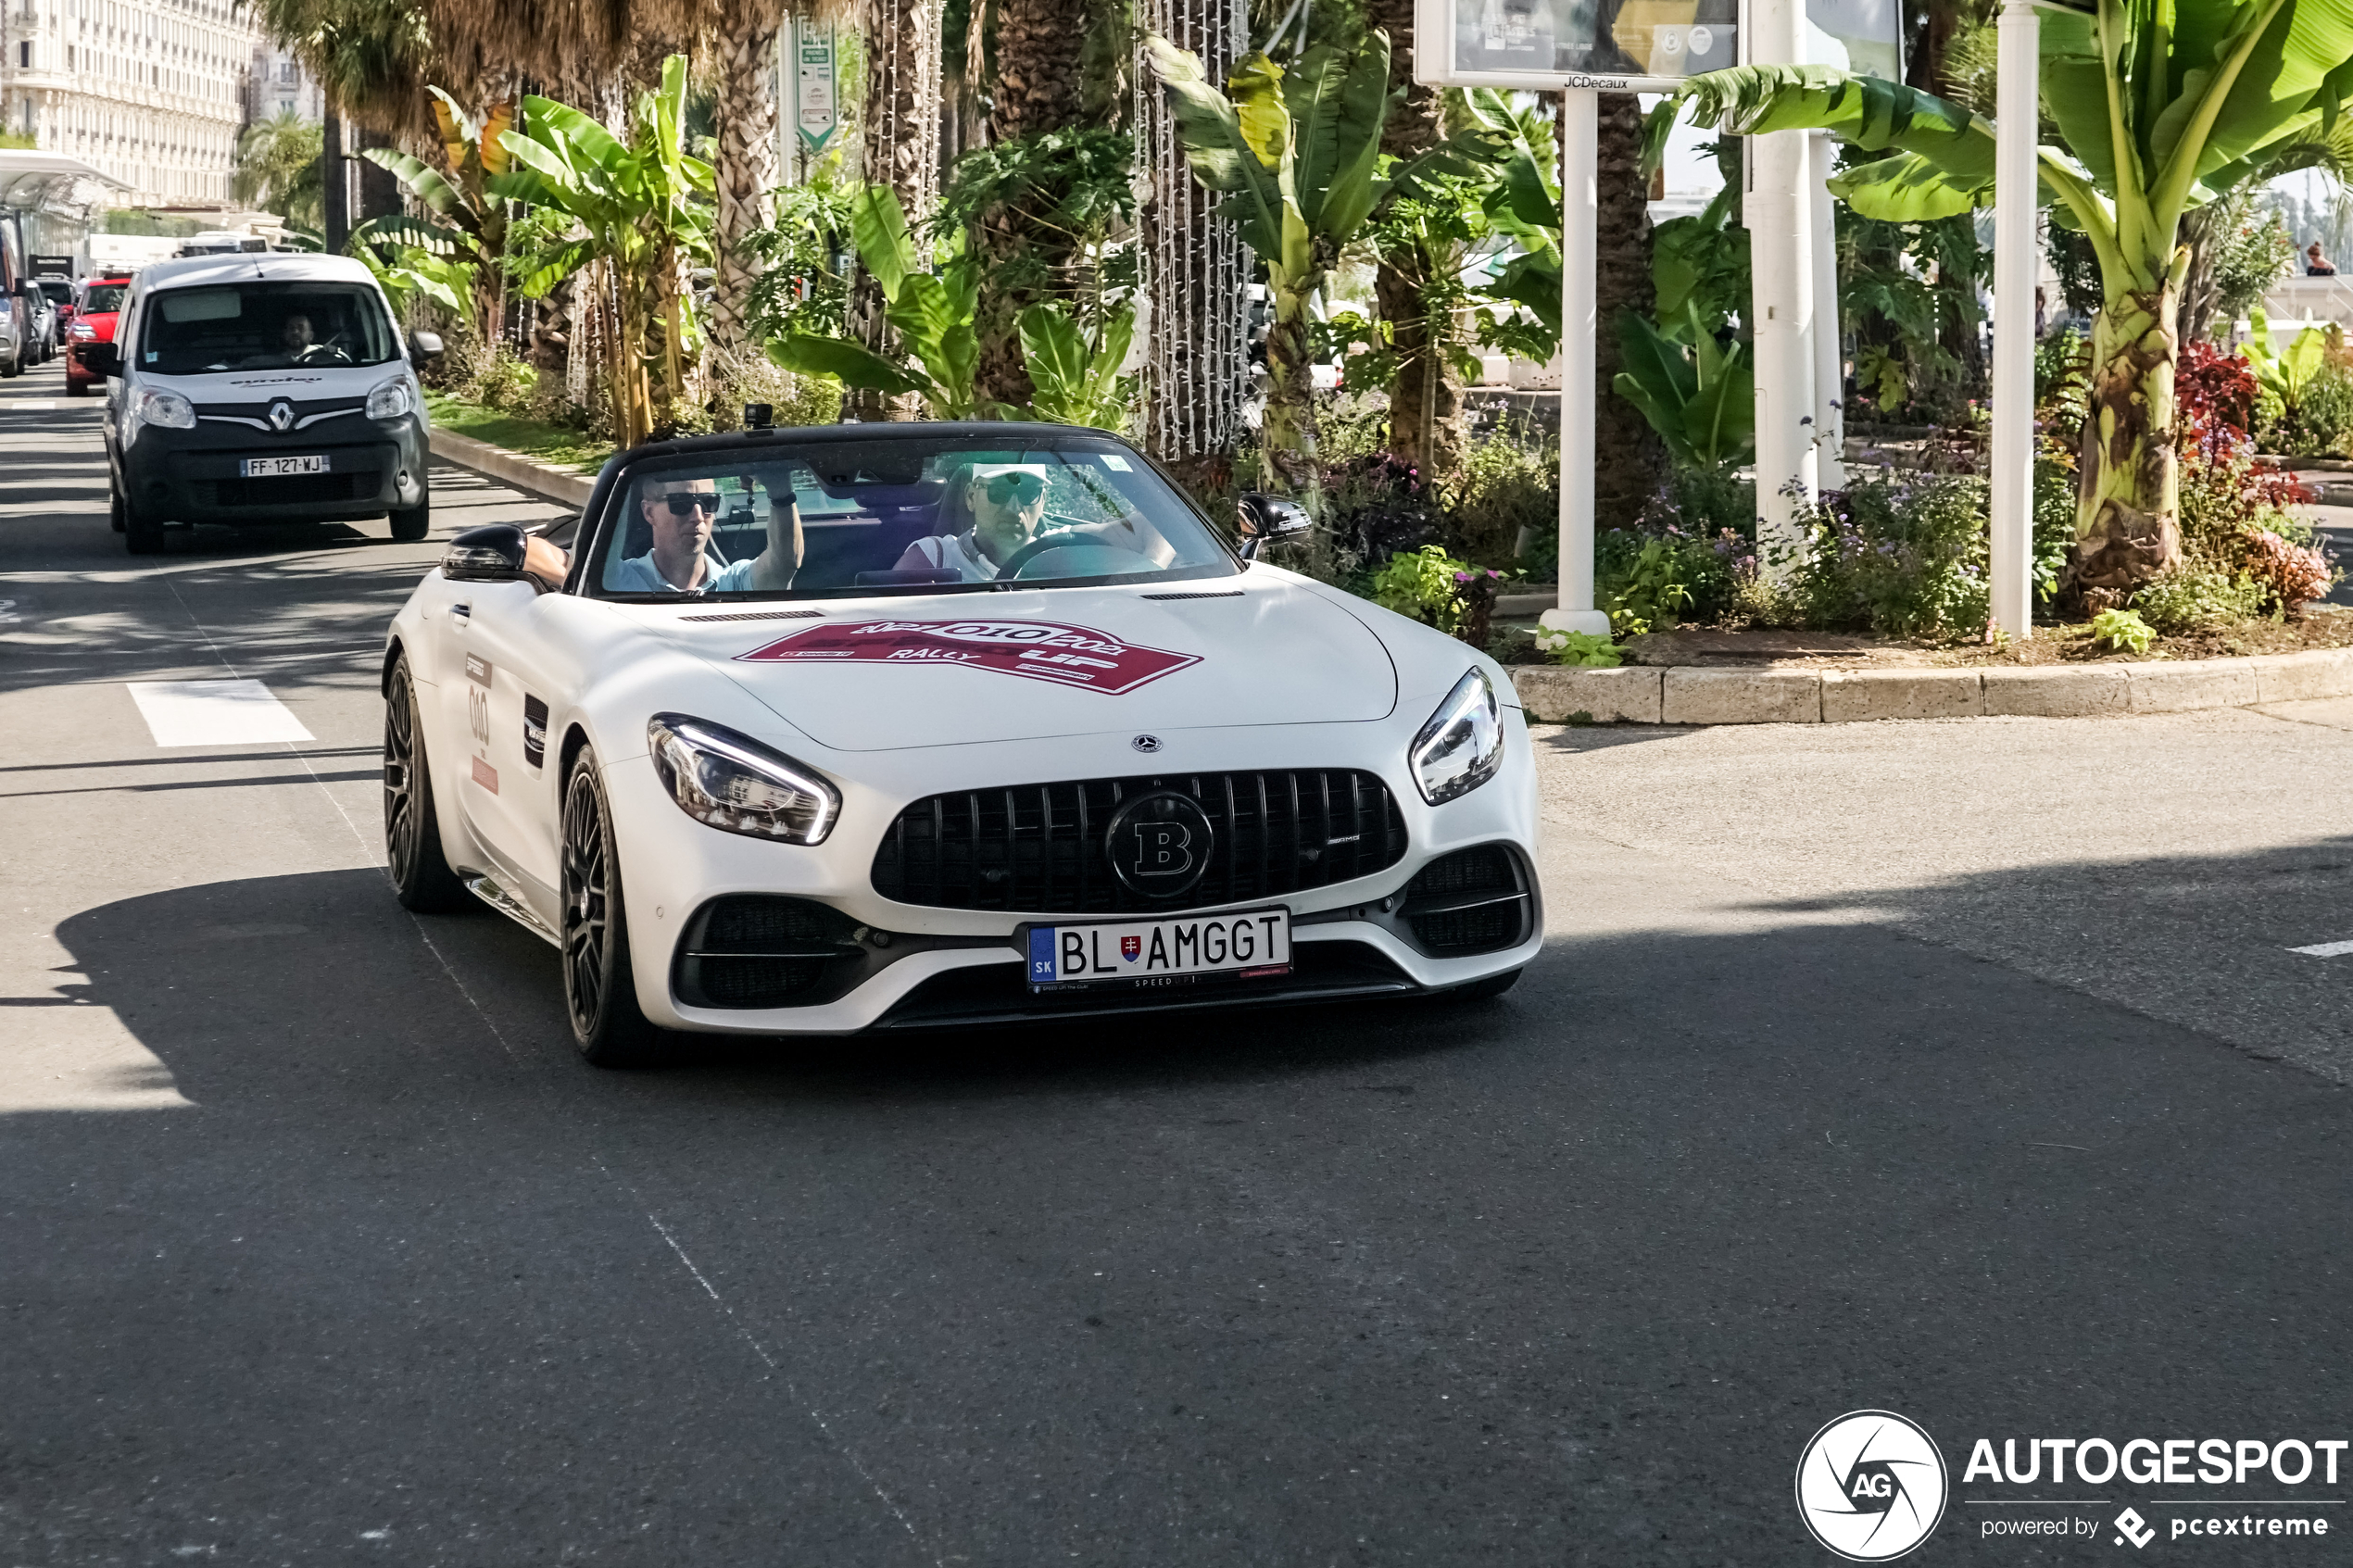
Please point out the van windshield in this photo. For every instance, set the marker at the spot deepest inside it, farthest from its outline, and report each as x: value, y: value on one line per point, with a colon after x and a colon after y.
x: 263, y: 326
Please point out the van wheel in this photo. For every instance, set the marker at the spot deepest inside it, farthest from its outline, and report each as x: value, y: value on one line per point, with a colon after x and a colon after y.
x: 113, y: 510
x: 142, y: 535
x: 414, y: 523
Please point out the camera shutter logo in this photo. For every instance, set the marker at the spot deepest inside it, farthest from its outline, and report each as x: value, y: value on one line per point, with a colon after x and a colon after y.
x: 1871, y: 1485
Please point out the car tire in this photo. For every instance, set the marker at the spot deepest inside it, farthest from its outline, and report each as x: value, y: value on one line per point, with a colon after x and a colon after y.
x: 10, y: 369
x: 77, y: 388
x: 1481, y: 990
x: 600, y: 989
x: 412, y: 523
x: 142, y: 535
x: 113, y: 510
x: 421, y: 879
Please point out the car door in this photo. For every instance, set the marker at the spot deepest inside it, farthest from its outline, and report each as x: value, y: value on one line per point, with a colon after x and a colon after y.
x: 516, y: 664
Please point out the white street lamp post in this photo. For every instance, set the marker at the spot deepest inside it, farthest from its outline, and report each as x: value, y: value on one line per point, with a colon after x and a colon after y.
x: 2016, y: 114
x: 1581, y: 120
x: 1781, y: 223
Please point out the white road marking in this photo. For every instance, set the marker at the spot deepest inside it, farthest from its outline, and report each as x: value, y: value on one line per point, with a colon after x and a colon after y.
x: 33, y: 405
x: 2325, y: 949
x: 215, y: 713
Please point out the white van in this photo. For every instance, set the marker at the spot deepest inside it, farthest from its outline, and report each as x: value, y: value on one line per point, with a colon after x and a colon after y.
x: 262, y: 389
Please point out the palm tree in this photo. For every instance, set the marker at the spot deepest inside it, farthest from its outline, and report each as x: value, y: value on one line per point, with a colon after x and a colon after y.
x: 368, y: 56
x: 901, y: 147
x: 1629, y: 456
x: 1425, y: 404
x: 2156, y: 109
x: 277, y: 168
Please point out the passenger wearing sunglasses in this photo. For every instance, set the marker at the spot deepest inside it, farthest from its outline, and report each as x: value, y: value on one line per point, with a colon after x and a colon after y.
x: 1006, y: 507
x: 680, y: 512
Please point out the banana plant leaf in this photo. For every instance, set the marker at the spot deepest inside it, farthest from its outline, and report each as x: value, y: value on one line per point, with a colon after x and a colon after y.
x: 851, y: 363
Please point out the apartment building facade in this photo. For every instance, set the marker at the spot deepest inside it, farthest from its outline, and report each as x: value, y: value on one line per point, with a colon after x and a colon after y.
x: 153, y: 93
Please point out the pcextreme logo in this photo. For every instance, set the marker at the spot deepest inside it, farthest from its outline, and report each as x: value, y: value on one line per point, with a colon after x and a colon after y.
x: 1871, y: 1485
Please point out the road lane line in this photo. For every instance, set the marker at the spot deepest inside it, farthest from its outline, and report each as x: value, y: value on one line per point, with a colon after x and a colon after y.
x: 215, y: 713
x: 2324, y: 949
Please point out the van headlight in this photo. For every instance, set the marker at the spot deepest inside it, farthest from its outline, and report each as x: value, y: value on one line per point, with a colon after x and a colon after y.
x: 165, y: 410
x: 733, y: 783
x: 390, y: 401
x: 1463, y: 744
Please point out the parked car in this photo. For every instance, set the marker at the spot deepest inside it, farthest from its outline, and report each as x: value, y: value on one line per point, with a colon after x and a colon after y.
x: 45, y: 333
x: 96, y: 303
x: 810, y: 732
x: 58, y: 290
x: 262, y: 389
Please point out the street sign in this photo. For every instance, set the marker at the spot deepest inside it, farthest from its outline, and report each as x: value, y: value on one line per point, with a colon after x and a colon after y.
x: 1625, y: 45
x: 816, y: 108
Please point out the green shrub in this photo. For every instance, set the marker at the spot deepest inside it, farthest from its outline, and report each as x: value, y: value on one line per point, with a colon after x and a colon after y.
x: 1419, y: 584
x: 1582, y: 650
x: 2122, y: 630
x: 1900, y: 554
x: 2193, y: 597
x: 1509, y: 484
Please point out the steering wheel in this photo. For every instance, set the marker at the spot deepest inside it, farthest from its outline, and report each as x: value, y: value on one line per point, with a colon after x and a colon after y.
x: 1059, y: 539
x: 1105, y: 560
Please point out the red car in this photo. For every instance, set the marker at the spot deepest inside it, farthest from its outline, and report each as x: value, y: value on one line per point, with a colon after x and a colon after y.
x: 96, y: 303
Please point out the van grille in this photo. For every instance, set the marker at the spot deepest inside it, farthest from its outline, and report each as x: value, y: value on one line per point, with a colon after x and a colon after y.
x: 297, y: 489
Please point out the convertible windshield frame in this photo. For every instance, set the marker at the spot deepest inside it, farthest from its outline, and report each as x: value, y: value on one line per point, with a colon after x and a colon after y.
x: 994, y: 445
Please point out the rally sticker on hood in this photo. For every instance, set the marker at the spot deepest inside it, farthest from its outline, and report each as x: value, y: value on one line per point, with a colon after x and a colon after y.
x: 1038, y: 650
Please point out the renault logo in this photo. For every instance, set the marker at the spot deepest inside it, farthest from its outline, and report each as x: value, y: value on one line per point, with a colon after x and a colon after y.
x: 1160, y: 844
x: 280, y: 415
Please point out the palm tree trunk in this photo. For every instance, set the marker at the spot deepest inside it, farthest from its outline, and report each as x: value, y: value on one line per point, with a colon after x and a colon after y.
x: 1039, y: 88
x: 747, y: 135
x: 901, y: 151
x: 1289, y: 439
x: 2127, y: 504
x: 1426, y: 403
x: 1630, y: 458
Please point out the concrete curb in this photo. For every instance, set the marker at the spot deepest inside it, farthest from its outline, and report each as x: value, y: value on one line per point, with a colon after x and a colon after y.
x: 1712, y: 694
x: 543, y: 480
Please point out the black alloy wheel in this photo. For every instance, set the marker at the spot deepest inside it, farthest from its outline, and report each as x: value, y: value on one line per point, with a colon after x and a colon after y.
x: 421, y: 875
x: 600, y: 989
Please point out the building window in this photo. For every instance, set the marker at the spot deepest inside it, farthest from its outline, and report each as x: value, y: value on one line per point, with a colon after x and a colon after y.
x: 24, y: 53
x: 286, y: 71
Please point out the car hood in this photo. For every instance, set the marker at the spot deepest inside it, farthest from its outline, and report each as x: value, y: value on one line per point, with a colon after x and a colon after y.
x: 880, y: 674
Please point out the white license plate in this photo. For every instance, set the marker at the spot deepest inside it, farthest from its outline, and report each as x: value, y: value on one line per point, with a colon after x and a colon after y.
x: 1161, y: 952
x: 274, y: 468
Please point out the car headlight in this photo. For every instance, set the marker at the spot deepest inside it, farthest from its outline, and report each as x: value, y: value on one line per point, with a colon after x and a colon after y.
x: 389, y: 401
x: 733, y: 783
x: 81, y: 331
x: 165, y: 410
x: 1463, y: 744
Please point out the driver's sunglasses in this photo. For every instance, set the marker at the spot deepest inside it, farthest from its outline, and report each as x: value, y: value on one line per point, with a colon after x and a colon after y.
x: 680, y: 503
x: 1019, y: 488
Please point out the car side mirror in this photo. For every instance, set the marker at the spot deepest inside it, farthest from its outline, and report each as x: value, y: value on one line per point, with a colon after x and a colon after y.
x: 102, y: 358
x: 493, y: 553
x: 423, y: 346
x: 1270, y: 517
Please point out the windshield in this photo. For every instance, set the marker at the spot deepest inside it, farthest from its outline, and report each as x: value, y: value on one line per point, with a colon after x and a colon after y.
x: 59, y: 292
x: 912, y: 515
x: 102, y: 299
x: 264, y: 327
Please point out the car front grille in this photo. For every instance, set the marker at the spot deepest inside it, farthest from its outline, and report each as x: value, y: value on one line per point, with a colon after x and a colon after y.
x: 1038, y: 848
x: 296, y: 489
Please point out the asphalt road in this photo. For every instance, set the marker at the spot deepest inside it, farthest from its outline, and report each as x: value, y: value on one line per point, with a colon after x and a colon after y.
x: 1955, y: 1069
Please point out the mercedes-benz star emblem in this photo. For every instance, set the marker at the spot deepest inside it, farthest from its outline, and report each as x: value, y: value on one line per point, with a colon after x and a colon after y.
x: 280, y: 415
x: 1160, y: 844
x: 1146, y: 743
